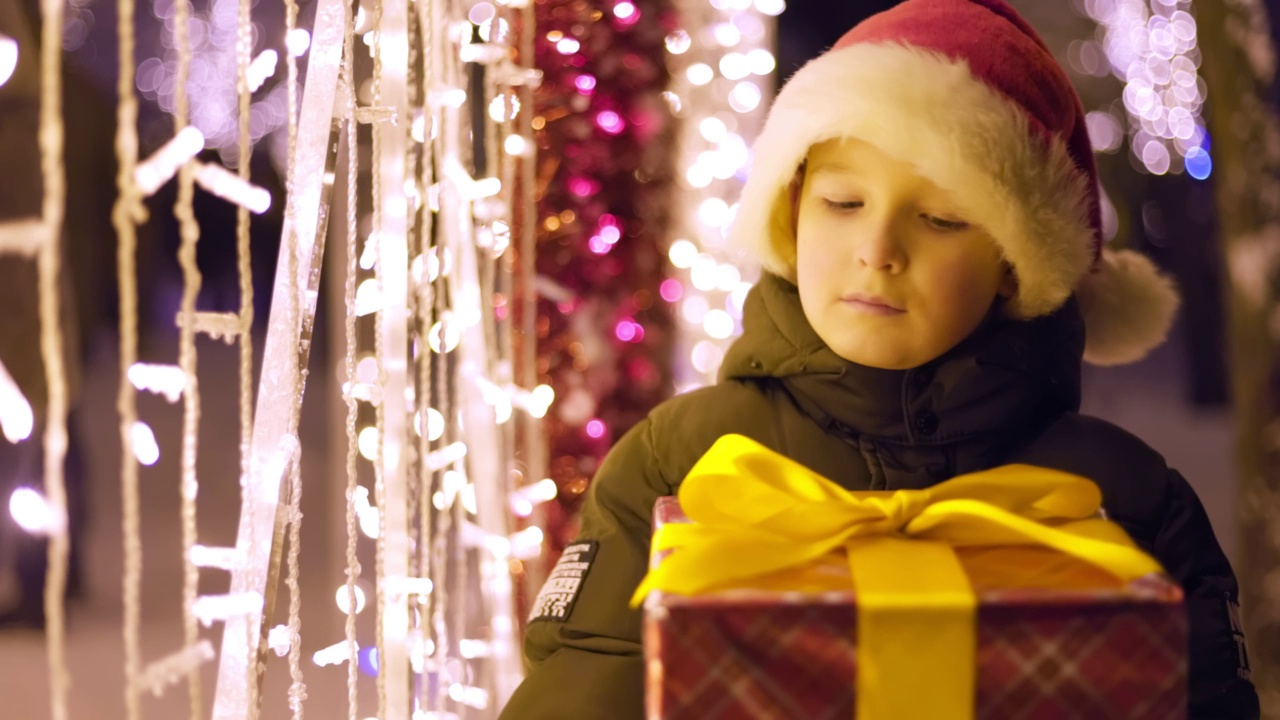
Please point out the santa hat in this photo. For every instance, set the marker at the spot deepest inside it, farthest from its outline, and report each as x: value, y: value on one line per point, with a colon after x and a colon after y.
x: 968, y: 93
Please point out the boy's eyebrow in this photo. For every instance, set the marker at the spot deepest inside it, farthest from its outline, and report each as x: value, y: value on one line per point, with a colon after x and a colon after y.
x: 833, y: 168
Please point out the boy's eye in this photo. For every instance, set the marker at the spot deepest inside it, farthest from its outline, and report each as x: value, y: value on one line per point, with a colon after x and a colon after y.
x: 946, y: 225
x: 843, y: 204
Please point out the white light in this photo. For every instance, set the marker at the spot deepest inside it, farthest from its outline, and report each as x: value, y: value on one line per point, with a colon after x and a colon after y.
x: 540, y: 400
x: 369, y: 255
x: 713, y: 212
x: 31, y: 511
x: 726, y: 34
x: 435, y: 424
x: 367, y: 442
x: 232, y: 188
x: 279, y: 639
x: 699, y: 176
x: 367, y: 370
x: 683, y: 253
x: 527, y: 543
x: 713, y: 129
x: 145, y: 449
x: 734, y: 151
x: 744, y: 97
x: 1156, y: 157
x: 703, y: 273
x: 297, y: 41
x: 156, y: 170
x: 771, y: 7
x: 544, y: 490
x: 481, y: 13
x: 366, y: 514
x: 515, y: 145
x: 735, y: 66
x: 335, y: 654
x: 211, y: 608
x: 166, y: 380
x: 474, y: 648
x: 678, y: 42
x: 727, y: 277
x: 368, y: 297
x: 624, y: 10
x: 447, y: 97
x: 342, y: 597
x: 706, y: 356
x: 222, y: 558
x: 738, y: 297
x: 16, y: 417
x: 722, y: 165
x: 568, y: 46
x: 498, y: 110
x: 718, y: 324
x: 444, y: 335
x: 694, y: 309
x: 262, y: 67
x: 762, y: 61
x: 468, y: 496
x: 8, y: 58
x: 1105, y: 132
x: 700, y: 73
x: 469, y: 695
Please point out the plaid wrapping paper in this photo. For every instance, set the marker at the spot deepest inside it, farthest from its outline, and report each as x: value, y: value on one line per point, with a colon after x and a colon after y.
x: 1041, y: 655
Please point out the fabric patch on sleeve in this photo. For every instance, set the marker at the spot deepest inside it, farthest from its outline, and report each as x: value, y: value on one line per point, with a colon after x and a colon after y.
x: 559, y: 593
x: 1237, y: 630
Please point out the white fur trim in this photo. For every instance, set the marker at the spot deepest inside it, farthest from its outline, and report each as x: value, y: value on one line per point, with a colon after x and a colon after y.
x: 1127, y: 306
x: 966, y: 137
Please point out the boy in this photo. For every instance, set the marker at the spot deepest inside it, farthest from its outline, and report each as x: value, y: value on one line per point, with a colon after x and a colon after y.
x: 924, y: 201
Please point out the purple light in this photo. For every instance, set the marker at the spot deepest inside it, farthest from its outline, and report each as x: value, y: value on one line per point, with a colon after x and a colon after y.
x: 610, y: 234
x: 585, y: 83
x: 599, y: 245
x: 583, y: 186
x: 626, y: 330
x: 671, y: 290
x: 596, y: 428
x: 610, y: 122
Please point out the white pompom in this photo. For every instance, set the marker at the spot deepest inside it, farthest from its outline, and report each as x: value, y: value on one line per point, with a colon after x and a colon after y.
x: 1128, y: 307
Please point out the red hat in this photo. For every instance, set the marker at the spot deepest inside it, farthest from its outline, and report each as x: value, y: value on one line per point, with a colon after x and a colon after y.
x: 967, y: 92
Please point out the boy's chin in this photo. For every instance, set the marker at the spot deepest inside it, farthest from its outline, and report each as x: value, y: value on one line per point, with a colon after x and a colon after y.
x: 883, y: 353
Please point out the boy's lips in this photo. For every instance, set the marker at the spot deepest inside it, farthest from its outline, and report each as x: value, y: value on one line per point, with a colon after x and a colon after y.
x: 872, y: 304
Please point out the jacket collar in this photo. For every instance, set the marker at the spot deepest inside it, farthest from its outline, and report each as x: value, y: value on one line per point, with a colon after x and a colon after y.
x: 1005, y: 375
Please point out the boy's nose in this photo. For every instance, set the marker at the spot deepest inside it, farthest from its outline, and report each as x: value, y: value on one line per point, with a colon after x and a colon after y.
x: 880, y: 249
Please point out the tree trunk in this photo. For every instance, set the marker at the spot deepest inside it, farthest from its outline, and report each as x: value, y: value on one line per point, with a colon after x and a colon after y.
x: 1239, y: 66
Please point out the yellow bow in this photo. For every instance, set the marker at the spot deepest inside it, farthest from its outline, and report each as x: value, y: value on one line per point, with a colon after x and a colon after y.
x: 755, y: 512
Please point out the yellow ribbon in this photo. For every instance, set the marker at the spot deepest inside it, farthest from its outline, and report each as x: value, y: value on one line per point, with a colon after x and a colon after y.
x: 755, y: 512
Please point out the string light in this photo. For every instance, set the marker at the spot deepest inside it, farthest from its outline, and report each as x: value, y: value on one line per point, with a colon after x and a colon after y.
x: 33, y: 512
x: 8, y: 58
x: 145, y: 449
x: 720, y: 78
x: 166, y: 380
x: 16, y: 417
x: 1152, y: 48
x: 156, y: 170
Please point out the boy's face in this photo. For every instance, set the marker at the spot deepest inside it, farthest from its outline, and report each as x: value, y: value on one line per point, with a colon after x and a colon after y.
x: 890, y: 274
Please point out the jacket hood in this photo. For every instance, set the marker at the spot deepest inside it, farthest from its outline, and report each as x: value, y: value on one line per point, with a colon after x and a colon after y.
x: 1005, y: 374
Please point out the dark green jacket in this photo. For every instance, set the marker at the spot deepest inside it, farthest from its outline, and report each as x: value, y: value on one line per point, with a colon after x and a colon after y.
x: 1009, y: 393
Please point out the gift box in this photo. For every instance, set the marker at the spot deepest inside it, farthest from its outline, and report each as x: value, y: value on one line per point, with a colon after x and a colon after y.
x: 1053, y: 637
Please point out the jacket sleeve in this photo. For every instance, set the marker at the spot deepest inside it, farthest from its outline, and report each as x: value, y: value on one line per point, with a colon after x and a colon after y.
x: 582, y: 647
x: 1219, y: 684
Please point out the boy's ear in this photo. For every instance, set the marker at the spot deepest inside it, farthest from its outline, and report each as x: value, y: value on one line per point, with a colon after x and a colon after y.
x: 1009, y: 283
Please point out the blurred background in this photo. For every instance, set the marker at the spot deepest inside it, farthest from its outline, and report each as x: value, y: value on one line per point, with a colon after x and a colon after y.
x: 1202, y: 199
